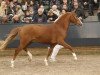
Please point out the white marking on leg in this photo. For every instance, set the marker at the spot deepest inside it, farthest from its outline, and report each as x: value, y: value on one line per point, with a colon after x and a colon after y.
x: 74, y: 55
x: 30, y: 55
x: 55, y: 52
x: 46, y: 62
x: 48, y: 48
x: 12, y: 63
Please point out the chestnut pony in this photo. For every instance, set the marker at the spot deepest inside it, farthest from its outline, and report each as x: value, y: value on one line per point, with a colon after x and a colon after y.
x: 50, y: 34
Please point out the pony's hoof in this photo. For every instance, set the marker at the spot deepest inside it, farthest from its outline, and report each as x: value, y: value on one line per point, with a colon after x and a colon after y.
x: 52, y: 60
x: 1, y: 49
x: 30, y: 60
x: 75, y: 58
x: 12, y: 66
x: 46, y: 62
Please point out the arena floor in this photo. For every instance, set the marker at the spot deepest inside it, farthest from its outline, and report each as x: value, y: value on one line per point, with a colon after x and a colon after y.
x: 88, y: 62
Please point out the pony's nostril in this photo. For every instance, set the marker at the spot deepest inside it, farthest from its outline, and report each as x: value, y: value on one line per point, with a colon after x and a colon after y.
x: 81, y: 24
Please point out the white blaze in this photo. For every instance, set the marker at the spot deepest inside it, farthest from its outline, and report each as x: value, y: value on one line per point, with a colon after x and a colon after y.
x: 80, y: 21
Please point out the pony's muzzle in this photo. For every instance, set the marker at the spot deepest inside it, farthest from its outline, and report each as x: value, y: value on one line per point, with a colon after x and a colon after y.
x: 80, y: 22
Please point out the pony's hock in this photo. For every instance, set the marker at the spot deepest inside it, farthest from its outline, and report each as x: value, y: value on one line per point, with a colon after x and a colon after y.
x: 54, y: 34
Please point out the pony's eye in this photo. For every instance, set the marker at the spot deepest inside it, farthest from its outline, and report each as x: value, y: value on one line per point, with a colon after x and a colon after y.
x: 76, y: 15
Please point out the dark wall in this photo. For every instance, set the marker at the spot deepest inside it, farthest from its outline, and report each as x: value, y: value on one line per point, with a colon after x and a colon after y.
x: 88, y: 30
x: 88, y: 34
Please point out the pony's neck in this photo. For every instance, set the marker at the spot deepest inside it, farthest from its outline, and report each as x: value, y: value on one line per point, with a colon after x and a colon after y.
x: 63, y: 21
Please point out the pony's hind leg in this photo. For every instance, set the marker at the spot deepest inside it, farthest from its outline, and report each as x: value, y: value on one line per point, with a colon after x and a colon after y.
x: 67, y: 46
x: 23, y: 45
x: 15, y: 55
x: 29, y: 54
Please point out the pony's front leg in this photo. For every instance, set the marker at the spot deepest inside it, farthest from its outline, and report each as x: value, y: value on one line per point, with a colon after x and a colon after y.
x: 74, y: 55
x: 46, y: 62
x: 12, y: 63
x: 55, y: 52
x: 29, y: 54
x: 46, y: 59
x: 70, y: 48
x: 49, y: 53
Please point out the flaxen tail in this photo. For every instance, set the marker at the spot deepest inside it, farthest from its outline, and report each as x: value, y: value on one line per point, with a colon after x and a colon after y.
x: 10, y: 37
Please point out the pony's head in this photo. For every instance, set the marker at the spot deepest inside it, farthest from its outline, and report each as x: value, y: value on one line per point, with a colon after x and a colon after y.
x: 74, y: 19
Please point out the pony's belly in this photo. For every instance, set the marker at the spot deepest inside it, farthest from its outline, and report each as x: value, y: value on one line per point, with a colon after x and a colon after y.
x: 40, y: 40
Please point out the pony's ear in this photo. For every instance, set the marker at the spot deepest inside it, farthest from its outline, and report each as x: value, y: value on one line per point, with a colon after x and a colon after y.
x: 73, y: 11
